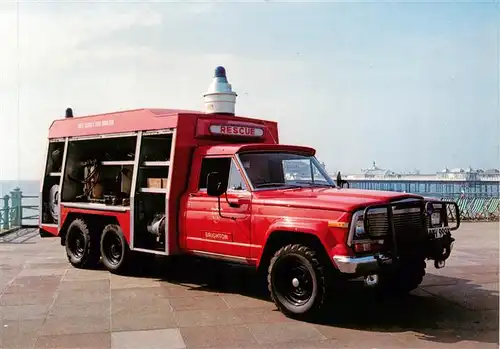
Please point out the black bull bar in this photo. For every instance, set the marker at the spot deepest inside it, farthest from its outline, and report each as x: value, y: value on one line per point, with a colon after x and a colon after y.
x: 438, y: 240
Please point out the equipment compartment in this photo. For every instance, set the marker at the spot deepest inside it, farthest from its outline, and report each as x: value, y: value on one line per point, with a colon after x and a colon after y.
x: 149, y: 222
x: 52, y: 177
x: 99, y: 171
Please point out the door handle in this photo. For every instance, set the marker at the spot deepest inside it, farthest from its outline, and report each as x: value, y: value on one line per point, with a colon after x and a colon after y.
x: 238, y: 201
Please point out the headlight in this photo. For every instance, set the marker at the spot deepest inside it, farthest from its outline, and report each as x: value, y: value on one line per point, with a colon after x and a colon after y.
x: 434, y: 214
x: 359, y: 228
x: 436, y: 218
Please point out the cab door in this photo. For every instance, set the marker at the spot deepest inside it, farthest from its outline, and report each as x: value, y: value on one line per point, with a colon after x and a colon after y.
x: 224, y: 232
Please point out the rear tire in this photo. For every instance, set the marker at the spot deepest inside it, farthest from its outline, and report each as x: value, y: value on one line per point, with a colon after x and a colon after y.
x: 115, y: 252
x: 82, y: 247
x: 296, y: 281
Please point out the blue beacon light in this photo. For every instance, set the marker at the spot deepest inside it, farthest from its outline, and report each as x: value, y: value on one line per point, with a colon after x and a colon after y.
x: 220, y: 72
x: 220, y: 98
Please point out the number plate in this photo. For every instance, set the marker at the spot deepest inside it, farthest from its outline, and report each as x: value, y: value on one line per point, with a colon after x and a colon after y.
x: 439, y: 232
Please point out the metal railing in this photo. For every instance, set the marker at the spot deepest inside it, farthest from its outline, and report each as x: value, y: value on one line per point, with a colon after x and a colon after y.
x: 477, y: 208
x: 13, y: 212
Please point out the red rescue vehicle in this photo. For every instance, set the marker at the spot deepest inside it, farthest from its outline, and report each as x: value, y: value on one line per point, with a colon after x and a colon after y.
x: 170, y: 182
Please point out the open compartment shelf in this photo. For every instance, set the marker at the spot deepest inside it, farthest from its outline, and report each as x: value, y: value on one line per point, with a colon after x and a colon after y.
x: 118, y: 163
x: 153, y: 190
x: 153, y: 179
x: 50, y: 193
x: 156, y: 163
x: 99, y: 171
x: 50, y: 188
x: 54, y: 158
x: 146, y: 208
x: 156, y: 148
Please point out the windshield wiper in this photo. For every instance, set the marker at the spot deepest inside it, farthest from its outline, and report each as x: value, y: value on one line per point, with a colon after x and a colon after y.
x: 274, y: 184
x: 320, y: 185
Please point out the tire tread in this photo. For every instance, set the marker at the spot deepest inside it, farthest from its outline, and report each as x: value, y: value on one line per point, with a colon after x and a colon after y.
x: 92, y: 255
x: 312, y: 257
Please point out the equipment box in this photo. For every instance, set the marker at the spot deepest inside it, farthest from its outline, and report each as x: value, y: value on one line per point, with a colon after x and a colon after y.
x: 154, y: 182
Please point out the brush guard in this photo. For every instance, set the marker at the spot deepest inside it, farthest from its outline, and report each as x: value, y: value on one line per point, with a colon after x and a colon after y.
x: 424, y: 241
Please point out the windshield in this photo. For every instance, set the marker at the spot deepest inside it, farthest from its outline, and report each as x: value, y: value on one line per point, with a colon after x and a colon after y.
x: 280, y: 169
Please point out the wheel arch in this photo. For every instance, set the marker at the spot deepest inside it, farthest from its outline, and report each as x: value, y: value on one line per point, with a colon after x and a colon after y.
x: 95, y: 223
x: 282, y: 237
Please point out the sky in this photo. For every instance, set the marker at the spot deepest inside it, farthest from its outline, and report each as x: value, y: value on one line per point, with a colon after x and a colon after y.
x: 410, y: 85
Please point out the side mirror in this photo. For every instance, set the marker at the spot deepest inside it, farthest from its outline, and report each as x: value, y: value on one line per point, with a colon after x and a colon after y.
x: 342, y: 183
x: 215, y: 185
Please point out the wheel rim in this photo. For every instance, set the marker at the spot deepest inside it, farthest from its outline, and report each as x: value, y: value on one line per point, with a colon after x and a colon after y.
x: 293, y: 281
x: 76, y: 243
x: 112, y: 248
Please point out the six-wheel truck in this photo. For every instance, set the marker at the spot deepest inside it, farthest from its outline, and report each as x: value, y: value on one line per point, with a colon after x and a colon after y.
x: 166, y: 182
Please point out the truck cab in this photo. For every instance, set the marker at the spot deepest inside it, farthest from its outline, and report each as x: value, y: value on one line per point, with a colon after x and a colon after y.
x: 147, y: 182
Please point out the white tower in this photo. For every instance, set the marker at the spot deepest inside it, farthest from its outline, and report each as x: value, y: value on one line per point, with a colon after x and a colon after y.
x: 220, y: 98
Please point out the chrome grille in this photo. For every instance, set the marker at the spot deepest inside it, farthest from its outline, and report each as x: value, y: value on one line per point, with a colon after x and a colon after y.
x: 404, y: 220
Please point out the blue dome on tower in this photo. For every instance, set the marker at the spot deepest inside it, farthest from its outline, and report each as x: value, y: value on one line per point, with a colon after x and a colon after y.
x: 220, y: 72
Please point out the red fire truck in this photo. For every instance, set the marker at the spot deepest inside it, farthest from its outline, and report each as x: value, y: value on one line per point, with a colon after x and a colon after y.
x: 167, y: 182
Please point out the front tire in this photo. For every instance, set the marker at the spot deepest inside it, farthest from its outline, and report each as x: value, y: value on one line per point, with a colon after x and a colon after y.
x: 115, y: 252
x: 405, y: 279
x: 296, y: 281
x: 82, y: 247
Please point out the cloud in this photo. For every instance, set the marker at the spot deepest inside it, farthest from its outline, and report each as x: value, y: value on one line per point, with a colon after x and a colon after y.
x: 356, y: 82
x: 49, y: 41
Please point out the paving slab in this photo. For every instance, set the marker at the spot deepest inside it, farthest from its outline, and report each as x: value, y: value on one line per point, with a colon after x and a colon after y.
x: 152, y: 339
x: 80, y: 341
x: 46, y: 303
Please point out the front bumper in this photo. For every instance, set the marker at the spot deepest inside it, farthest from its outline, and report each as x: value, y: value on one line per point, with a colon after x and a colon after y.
x: 361, y: 265
x: 369, y: 264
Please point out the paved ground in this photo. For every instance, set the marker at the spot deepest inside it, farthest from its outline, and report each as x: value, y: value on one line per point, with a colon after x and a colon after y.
x: 45, y: 303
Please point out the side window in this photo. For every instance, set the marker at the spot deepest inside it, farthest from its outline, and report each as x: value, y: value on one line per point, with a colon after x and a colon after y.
x: 221, y: 165
x: 236, y: 181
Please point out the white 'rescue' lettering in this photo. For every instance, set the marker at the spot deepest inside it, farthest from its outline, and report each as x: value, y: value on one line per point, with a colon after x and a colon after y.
x: 96, y: 124
x: 234, y: 130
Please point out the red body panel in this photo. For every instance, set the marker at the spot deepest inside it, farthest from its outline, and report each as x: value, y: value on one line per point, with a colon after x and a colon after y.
x: 195, y: 223
x: 153, y: 119
x: 50, y: 229
x: 345, y: 200
x: 123, y: 218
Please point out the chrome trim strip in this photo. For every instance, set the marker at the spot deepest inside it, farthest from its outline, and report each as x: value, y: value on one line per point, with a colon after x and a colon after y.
x: 224, y: 242
x: 355, y: 265
x: 133, y: 186
x: 98, y: 207
x: 244, y: 172
x: 352, y: 227
x: 161, y: 253
x: 159, y: 132
x: 103, y: 136
x: 42, y: 182
x: 173, y: 145
x: 61, y: 181
x: 224, y: 257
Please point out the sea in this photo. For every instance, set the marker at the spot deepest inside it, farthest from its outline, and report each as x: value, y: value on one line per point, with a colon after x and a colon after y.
x: 28, y: 188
